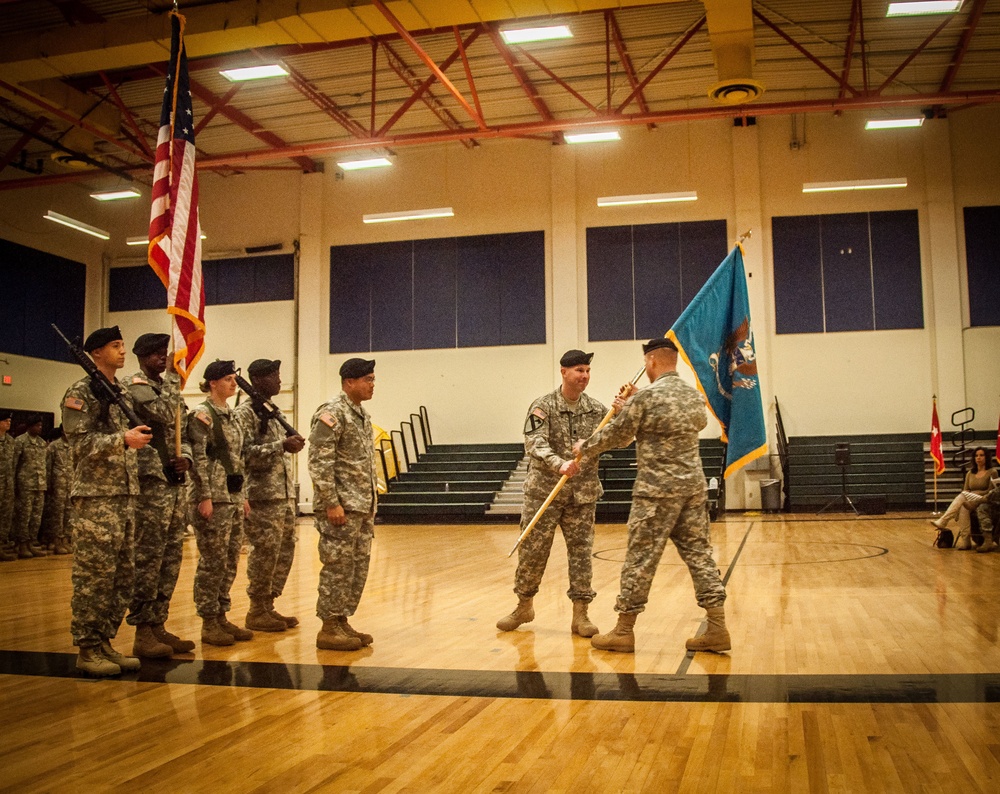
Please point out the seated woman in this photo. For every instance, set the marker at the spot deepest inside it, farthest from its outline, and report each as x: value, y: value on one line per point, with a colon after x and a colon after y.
x: 977, y: 483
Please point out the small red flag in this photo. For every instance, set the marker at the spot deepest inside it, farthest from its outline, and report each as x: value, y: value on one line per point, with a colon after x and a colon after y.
x: 936, y: 452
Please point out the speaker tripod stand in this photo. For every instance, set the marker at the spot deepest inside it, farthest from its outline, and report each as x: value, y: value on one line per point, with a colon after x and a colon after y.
x: 842, y: 457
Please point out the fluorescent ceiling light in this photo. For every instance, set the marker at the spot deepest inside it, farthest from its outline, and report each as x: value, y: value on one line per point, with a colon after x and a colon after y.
x: 80, y: 226
x: 893, y: 124
x: 855, y: 184
x: 592, y: 137
x: 923, y: 7
x: 524, y: 35
x: 646, y: 198
x: 144, y: 240
x: 254, y: 72
x: 372, y: 162
x: 114, y: 195
x: 408, y: 215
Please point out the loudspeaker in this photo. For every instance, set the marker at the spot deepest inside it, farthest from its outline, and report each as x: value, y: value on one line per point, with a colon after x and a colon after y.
x: 842, y: 455
x: 872, y: 505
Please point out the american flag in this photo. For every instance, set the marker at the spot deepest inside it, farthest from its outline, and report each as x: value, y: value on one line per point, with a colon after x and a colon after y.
x: 174, y: 231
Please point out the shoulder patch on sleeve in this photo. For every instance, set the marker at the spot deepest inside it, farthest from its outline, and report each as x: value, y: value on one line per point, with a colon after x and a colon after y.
x: 138, y: 380
x: 204, y: 418
x: 328, y: 419
x: 75, y: 403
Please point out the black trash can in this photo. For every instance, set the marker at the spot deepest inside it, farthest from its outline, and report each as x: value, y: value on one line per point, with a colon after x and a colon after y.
x: 770, y: 495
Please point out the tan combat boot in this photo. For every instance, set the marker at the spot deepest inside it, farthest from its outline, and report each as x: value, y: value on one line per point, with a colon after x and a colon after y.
x: 260, y: 619
x: 366, y: 639
x: 128, y: 664
x: 290, y: 620
x: 988, y: 543
x: 213, y: 634
x: 63, y: 545
x: 92, y: 662
x: 524, y: 613
x: 333, y: 637
x: 621, y: 638
x: 176, y: 643
x: 581, y: 623
x: 235, y: 631
x: 716, y: 636
x: 147, y: 645
x: 7, y: 555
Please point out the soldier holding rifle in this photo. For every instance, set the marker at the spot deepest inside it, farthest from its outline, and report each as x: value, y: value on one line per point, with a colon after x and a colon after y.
x: 97, y: 413
x: 554, y: 423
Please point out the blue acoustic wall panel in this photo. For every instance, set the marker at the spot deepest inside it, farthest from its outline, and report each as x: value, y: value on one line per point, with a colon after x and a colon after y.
x: 896, y: 280
x: 982, y: 258
x: 522, y: 288
x: 435, y: 267
x: 847, y: 279
x: 350, y: 297
x: 656, y: 252
x: 480, y: 271
x: 610, y: 284
x: 392, y: 297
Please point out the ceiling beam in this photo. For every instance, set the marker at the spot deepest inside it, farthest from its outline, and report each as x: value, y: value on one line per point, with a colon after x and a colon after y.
x: 971, y: 23
x: 23, y: 141
x: 658, y: 68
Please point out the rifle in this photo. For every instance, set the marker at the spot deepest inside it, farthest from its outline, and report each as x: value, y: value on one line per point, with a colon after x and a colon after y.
x: 104, y: 390
x: 264, y: 408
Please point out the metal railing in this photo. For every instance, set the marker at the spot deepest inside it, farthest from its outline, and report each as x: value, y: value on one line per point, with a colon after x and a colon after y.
x: 783, y: 455
x: 406, y: 442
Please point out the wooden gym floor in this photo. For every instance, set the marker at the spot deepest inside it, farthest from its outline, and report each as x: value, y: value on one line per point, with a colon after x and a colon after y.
x: 863, y: 660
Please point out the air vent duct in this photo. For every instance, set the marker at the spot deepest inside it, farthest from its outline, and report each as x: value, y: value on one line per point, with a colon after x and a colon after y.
x: 735, y: 92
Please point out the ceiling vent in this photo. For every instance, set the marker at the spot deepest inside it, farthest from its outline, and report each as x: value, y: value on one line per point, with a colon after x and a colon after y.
x: 735, y: 92
x: 72, y: 161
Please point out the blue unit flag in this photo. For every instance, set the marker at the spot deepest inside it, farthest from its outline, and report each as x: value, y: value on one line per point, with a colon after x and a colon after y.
x: 715, y: 337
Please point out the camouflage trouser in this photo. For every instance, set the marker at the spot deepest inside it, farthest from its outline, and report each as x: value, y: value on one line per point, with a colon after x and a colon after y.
x: 28, y: 508
x: 160, y: 519
x: 270, y: 528
x: 219, y: 540
x: 103, y: 571
x: 345, y: 552
x: 684, y: 520
x: 55, y: 517
x: 577, y: 523
x: 985, y: 513
x: 6, y: 510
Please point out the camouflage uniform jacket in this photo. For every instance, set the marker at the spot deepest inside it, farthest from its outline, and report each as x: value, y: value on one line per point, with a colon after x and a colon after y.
x: 29, y: 463
x: 550, y: 430
x: 665, y: 419
x: 102, y: 464
x: 6, y: 464
x: 208, y: 475
x: 157, y: 404
x: 269, y: 467
x: 60, y: 468
x: 342, y: 457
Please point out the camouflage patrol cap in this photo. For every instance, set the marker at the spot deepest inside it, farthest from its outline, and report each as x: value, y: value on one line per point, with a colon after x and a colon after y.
x: 218, y: 369
x: 263, y: 366
x: 656, y: 344
x: 101, y: 337
x: 150, y: 343
x: 356, y: 368
x: 574, y: 358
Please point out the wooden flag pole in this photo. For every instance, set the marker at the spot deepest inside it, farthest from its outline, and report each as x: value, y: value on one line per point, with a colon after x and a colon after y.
x: 562, y: 481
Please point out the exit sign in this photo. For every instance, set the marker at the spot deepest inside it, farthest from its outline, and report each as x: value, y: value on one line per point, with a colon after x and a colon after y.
x: 7, y: 380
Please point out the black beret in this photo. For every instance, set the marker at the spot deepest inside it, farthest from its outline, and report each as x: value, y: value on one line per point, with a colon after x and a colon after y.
x: 573, y: 358
x: 32, y: 419
x: 656, y: 344
x: 217, y: 370
x: 356, y: 368
x: 150, y: 343
x: 101, y: 337
x: 263, y: 366
x: 5, y: 415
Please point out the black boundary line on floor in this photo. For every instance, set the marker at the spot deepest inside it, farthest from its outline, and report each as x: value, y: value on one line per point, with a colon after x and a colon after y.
x: 689, y: 655
x: 628, y: 687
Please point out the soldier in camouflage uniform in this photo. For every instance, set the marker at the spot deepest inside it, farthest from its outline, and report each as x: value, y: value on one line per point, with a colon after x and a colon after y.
x: 270, y: 527
x: 986, y: 512
x: 668, y: 499
x: 105, y: 484
x: 342, y: 468
x: 162, y: 506
x: 29, y: 488
x: 6, y: 488
x: 56, y: 514
x: 555, y: 422
x: 218, y: 493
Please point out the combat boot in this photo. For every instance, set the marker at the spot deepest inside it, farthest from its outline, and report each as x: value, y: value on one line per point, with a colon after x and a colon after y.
x: 366, y: 639
x: 147, y: 645
x: 523, y: 613
x: 24, y: 552
x: 333, y: 637
x: 621, y: 638
x: 716, y: 636
x: 290, y: 620
x: 213, y: 634
x: 175, y: 642
x: 128, y: 664
x: 63, y: 545
x: 7, y: 555
x: 237, y: 633
x: 988, y: 543
x: 581, y: 623
x: 92, y: 662
x: 259, y: 619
